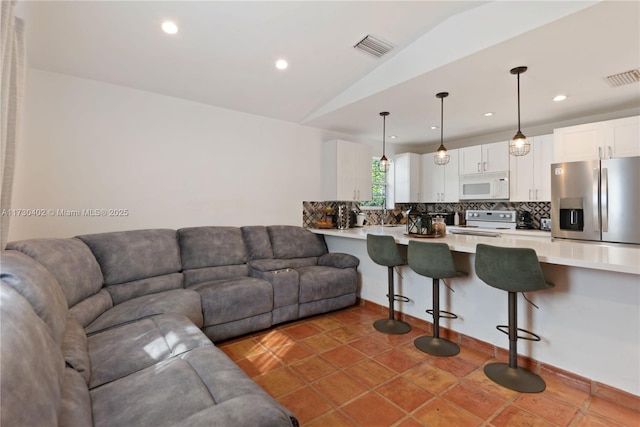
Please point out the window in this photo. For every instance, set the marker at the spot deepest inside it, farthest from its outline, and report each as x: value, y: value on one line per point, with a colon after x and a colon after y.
x: 379, y: 187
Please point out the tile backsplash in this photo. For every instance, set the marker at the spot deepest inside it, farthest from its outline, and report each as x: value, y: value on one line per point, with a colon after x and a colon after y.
x: 314, y: 211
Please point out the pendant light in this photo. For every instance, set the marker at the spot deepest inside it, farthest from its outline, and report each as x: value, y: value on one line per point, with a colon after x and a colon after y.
x: 384, y: 162
x: 519, y: 146
x: 441, y: 157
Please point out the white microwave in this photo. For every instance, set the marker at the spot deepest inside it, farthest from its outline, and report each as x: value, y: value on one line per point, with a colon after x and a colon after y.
x: 484, y: 186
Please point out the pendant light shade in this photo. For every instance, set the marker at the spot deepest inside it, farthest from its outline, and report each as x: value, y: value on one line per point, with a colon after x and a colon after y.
x: 519, y: 145
x: 384, y: 162
x: 442, y: 156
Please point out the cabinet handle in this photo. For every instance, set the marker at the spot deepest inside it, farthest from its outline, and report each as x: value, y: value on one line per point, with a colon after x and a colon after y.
x: 610, y: 153
x: 484, y: 166
x: 354, y: 194
x: 479, y: 167
x: 358, y: 195
x: 536, y: 194
x: 442, y: 197
x: 529, y: 194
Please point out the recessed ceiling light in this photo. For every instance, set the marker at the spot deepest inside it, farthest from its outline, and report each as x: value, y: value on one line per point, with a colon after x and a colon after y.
x: 433, y: 127
x: 393, y: 136
x: 488, y: 114
x: 559, y: 98
x: 169, y: 27
x: 281, y: 64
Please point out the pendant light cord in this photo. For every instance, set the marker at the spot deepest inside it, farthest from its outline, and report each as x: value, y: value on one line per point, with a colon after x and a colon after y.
x: 518, y: 102
x: 441, y: 121
x: 384, y: 133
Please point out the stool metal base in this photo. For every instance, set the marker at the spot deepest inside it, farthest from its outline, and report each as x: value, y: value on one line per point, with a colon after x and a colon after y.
x: 392, y: 326
x: 517, y: 378
x: 436, y: 346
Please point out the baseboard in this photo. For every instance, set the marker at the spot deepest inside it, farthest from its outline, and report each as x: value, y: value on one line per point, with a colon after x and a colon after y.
x: 594, y: 388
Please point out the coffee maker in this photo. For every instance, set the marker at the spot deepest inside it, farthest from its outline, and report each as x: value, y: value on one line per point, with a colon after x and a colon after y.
x: 523, y: 220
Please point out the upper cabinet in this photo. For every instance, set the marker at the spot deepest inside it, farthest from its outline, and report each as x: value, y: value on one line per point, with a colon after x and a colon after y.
x: 530, y: 175
x: 406, y: 177
x: 346, y: 171
x: 440, y: 182
x: 599, y: 140
x: 492, y: 157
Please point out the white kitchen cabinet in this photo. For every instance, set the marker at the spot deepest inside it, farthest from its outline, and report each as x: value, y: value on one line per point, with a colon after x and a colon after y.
x: 346, y: 171
x: 407, y: 177
x: 599, y: 140
x: 530, y: 175
x: 492, y: 157
x: 440, y: 182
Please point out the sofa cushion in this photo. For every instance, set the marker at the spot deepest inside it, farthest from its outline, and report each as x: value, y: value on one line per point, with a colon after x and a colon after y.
x: 211, y: 246
x: 295, y: 242
x: 280, y: 264
x: 178, y: 301
x: 208, y: 274
x: 88, y: 310
x: 228, y: 300
x: 137, y: 288
x: 200, y: 380
x: 31, y: 366
x: 75, y: 410
x: 70, y: 261
x: 74, y: 350
x: 318, y: 283
x: 31, y: 280
x: 256, y: 238
x: 125, y: 256
x: 129, y: 348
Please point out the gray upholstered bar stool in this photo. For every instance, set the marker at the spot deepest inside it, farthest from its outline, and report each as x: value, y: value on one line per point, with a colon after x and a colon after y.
x: 513, y: 270
x: 383, y: 251
x: 434, y: 260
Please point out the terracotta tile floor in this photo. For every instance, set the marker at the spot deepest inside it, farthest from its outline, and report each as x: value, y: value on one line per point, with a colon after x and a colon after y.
x: 337, y: 370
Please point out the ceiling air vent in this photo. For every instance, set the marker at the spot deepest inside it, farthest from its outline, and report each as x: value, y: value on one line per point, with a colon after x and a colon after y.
x: 373, y: 46
x: 632, y: 76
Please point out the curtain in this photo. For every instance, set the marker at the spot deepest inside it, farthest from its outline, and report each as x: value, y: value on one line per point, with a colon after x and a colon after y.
x: 12, y: 70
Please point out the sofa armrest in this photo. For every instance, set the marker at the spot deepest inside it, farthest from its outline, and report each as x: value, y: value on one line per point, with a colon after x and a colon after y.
x: 338, y: 260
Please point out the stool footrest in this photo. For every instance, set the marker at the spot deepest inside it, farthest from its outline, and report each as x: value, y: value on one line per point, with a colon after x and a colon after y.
x: 401, y: 298
x: 530, y: 335
x: 444, y: 314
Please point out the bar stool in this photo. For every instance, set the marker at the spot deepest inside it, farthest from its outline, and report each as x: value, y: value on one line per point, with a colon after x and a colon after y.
x: 513, y: 270
x: 383, y: 251
x: 434, y: 260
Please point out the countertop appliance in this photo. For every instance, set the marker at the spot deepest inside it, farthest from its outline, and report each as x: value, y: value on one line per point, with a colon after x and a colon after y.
x: 524, y: 221
x: 447, y: 216
x: 596, y: 200
x: 484, y: 186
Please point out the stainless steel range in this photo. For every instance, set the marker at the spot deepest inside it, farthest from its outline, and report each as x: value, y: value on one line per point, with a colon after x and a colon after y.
x: 498, y: 220
x: 487, y: 223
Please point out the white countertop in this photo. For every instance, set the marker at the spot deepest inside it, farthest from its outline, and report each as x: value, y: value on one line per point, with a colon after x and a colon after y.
x: 594, y: 255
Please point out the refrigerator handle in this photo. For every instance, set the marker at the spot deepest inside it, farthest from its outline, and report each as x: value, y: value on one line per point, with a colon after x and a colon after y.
x: 604, y: 197
x: 595, y: 205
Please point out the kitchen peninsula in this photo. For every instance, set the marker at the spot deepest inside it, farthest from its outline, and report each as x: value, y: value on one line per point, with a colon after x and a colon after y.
x: 589, y: 323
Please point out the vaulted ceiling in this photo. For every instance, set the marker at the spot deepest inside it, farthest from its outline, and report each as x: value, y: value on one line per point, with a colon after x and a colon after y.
x: 224, y: 55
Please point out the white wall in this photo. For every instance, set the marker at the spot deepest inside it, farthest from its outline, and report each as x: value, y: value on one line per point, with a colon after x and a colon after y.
x: 171, y: 162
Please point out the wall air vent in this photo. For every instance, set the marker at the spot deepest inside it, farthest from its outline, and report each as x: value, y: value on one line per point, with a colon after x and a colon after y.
x: 632, y: 76
x: 373, y: 46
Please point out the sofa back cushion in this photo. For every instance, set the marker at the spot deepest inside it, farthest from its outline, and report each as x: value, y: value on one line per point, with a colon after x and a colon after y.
x: 31, y: 367
x: 134, y: 263
x: 256, y: 238
x: 212, y: 253
x: 295, y: 242
x: 31, y: 280
x: 70, y: 261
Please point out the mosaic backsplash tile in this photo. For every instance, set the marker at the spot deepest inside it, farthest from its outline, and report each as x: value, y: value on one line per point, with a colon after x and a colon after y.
x: 314, y: 211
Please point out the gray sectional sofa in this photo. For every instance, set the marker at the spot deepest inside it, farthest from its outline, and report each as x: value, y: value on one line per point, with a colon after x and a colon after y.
x: 117, y: 329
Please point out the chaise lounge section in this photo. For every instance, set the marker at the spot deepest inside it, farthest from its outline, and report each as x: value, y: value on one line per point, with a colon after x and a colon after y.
x: 107, y: 329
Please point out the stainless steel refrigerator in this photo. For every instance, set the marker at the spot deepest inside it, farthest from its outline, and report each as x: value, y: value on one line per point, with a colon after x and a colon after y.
x: 596, y: 200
